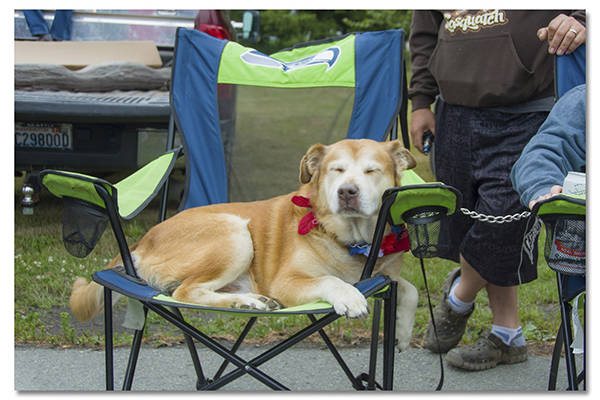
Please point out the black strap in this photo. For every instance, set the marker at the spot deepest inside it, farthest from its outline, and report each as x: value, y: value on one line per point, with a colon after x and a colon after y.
x: 441, y: 382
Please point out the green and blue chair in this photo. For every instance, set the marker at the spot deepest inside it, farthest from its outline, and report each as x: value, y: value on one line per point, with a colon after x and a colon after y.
x: 356, y: 85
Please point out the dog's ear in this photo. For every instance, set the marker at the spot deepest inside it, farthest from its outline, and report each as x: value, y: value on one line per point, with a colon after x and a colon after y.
x: 403, y: 159
x: 310, y: 162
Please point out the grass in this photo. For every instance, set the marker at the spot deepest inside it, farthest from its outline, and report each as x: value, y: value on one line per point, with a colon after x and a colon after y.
x: 265, y: 164
x: 44, y: 272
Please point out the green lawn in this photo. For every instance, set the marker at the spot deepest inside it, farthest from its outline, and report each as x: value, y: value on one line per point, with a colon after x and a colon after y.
x: 265, y: 164
x: 44, y: 272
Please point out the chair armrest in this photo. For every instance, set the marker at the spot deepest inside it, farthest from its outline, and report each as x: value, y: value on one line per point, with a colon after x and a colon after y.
x: 565, y: 244
x: 561, y: 204
x: 131, y: 195
x: 76, y: 185
x: 415, y: 194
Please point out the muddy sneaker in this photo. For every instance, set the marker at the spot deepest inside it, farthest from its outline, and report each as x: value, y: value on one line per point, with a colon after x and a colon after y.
x: 450, y: 324
x: 486, y: 353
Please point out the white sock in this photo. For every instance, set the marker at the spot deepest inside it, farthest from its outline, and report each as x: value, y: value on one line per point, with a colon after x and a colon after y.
x: 456, y: 304
x: 510, y: 337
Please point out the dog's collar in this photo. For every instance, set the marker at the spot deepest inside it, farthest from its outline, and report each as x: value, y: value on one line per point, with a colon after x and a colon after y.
x: 309, y: 221
x: 395, y: 242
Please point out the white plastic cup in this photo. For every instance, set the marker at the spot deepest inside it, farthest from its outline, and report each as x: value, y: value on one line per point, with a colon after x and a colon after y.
x: 574, y: 184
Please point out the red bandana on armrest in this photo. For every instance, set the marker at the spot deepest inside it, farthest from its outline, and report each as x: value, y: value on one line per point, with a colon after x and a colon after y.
x: 395, y: 242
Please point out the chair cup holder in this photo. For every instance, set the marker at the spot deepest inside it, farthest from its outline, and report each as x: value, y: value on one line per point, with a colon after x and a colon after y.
x: 83, y: 225
x: 564, y: 248
x: 423, y: 225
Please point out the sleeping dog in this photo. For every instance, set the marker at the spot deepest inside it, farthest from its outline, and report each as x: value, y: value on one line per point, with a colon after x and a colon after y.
x: 288, y: 250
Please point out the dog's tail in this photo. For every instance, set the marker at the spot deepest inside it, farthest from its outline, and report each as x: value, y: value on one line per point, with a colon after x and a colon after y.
x: 87, y: 298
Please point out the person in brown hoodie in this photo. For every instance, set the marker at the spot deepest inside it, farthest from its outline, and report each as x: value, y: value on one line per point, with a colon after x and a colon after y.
x: 490, y: 75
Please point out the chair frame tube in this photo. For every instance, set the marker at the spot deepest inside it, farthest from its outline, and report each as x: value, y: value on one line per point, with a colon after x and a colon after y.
x: 564, y: 339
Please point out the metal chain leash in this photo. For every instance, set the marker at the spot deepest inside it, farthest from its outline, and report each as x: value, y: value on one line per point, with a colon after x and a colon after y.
x: 493, y: 219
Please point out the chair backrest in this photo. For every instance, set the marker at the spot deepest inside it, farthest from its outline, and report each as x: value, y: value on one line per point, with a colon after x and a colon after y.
x: 247, y: 118
x: 569, y: 71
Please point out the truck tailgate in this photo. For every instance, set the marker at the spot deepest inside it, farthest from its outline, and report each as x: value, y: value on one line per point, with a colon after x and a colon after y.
x: 148, y: 106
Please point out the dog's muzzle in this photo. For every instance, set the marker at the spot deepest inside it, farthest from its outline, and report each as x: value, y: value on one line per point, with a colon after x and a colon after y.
x: 348, y: 197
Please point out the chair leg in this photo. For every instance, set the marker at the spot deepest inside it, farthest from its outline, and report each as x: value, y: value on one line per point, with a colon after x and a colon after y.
x: 558, y: 345
x: 193, y: 353
x: 356, y: 384
x: 565, y: 312
x: 249, y: 367
x: 275, y: 350
x: 374, y: 343
x: 235, y: 346
x: 133, y: 355
x: 108, y: 339
x: 389, y: 335
x: 582, y: 376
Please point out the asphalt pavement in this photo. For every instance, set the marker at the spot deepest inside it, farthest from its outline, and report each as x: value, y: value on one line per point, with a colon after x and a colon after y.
x: 307, y: 369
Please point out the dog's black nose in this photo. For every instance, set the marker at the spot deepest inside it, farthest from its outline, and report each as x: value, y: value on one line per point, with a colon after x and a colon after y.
x: 348, y: 191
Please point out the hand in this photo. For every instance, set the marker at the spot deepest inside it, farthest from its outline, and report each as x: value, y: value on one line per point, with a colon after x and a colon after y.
x: 564, y: 34
x: 556, y: 189
x: 421, y: 121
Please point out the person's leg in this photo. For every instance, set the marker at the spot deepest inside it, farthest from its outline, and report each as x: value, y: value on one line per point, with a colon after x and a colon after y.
x: 470, y: 282
x: 504, y: 305
x: 61, y: 27
x: 496, y: 251
x: 452, y: 142
x: 504, y: 343
x: 36, y: 22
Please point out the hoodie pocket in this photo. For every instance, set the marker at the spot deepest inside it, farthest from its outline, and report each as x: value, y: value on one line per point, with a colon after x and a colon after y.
x: 481, y: 71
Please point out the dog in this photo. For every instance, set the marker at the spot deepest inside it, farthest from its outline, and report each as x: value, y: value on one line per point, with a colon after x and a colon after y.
x: 284, y: 251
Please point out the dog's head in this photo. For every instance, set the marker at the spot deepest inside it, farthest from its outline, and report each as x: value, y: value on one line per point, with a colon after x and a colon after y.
x: 349, y: 177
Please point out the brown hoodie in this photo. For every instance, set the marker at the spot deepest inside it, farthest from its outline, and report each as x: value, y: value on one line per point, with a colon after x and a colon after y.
x: 481, y: 58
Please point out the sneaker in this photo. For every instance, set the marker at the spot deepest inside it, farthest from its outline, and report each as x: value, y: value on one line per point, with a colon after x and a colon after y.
x: 486, y: 353
x: 450, y: 324
x: 45, y: 38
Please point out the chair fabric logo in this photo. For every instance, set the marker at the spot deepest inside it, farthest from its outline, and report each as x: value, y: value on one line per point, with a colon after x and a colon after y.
x: 328, y: 57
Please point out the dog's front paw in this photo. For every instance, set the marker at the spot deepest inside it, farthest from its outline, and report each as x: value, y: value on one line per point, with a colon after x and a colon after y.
x: 253, y: 301
x: 348, y: 301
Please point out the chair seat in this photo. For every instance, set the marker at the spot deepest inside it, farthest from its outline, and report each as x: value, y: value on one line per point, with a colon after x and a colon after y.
x: 117, y: 280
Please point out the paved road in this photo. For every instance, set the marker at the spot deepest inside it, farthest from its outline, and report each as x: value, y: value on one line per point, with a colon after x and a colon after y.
x: 300, y: 368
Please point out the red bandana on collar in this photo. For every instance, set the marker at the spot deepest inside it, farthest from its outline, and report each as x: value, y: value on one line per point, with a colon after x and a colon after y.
x: 309, y: 221
x: 395, y: 242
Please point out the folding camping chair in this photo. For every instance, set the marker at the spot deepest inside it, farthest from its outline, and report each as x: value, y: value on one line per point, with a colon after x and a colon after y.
x: 564, y: 250
x: 368, y: 68
x: 564, y: 217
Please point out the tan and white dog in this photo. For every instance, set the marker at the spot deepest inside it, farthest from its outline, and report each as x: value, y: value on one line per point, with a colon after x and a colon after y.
x: 251, y: 255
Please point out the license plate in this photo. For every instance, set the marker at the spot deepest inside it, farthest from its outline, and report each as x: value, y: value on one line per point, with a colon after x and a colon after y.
x: 44, y: 135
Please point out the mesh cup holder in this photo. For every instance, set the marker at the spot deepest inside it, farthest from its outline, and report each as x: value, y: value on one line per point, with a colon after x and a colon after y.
x: 423, y: 225
x: 83, y: 225
x: 564, y: 249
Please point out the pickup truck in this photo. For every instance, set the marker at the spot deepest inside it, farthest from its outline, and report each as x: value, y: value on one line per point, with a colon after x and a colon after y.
x: 62, y: 125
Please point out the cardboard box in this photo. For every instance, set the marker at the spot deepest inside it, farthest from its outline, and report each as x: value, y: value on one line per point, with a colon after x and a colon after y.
x: 77, y: 55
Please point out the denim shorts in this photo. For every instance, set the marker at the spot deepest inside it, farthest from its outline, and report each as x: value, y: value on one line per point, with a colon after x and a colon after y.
x: 475, y: 150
